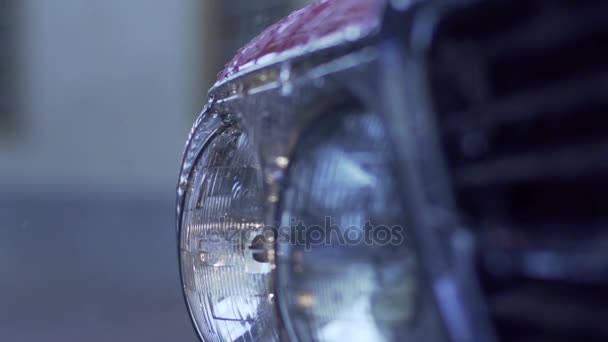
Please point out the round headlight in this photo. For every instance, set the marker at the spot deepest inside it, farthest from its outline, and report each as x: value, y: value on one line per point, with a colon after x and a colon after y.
x: 225, y: 272
x: 346, y: 270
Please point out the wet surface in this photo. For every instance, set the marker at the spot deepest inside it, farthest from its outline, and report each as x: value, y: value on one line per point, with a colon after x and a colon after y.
x: 305, y: 26
x: 90, y: 268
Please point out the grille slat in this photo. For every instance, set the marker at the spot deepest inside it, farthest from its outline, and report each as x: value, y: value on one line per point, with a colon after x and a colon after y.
x: 555, y: 163
x: 521, y: 95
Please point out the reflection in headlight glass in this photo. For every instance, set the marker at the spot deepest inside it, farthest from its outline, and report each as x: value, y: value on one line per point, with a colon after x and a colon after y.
x: 226, y: 282
x: 346, y: 269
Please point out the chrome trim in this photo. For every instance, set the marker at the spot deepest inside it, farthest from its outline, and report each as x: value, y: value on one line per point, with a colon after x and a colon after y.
x: 447, y: 247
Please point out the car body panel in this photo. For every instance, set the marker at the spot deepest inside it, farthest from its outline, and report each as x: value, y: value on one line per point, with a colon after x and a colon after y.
x: 319, y: 25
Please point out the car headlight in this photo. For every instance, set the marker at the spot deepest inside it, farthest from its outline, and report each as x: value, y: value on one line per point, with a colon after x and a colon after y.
x: 225, y: 273
x: 346, y: 260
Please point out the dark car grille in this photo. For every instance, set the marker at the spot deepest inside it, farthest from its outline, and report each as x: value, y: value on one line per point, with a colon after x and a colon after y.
x: 521, y: 88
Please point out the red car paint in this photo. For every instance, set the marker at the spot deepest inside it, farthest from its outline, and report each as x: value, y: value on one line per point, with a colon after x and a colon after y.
x: 305, y: 26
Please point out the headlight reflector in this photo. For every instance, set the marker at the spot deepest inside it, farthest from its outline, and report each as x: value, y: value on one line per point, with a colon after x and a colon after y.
x: 345, y: 269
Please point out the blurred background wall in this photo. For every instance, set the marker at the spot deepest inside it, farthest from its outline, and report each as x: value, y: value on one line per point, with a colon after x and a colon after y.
x: 96, y: 100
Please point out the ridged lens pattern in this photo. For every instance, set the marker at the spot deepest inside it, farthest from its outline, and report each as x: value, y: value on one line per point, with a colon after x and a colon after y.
x: 227, y: 285
x: 346, y: 269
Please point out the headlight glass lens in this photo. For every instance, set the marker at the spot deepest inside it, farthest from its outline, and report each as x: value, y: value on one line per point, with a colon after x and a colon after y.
x: 226, y: 276
x: 346, y: 270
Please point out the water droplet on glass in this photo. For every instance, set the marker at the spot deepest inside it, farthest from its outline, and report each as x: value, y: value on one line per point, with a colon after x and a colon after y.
x: 183, y: 184
x: 228, y: 117
x: 240, y: 90
x: 285, y: 77
x: 352, y: 33
x: 286, y: 89
x: 281, y: 161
